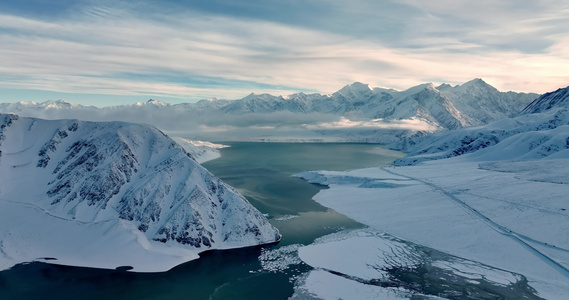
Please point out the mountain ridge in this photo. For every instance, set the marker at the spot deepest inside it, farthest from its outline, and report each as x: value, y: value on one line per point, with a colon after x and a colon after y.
x: 557, y: 98
x: 95, y: 173
x: 470, y: 104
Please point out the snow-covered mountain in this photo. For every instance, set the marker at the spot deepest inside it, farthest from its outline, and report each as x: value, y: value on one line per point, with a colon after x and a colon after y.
x: 113, y: 194
x: 541, y: 130
x: 437, y: 108
x: 558, y: 98
x: 472, y: 103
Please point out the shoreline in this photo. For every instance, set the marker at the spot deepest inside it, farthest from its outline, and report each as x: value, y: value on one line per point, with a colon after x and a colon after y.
x: 416, y: 206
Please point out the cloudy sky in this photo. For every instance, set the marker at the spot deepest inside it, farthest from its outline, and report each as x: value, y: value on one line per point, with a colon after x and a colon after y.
x: 115, y: 52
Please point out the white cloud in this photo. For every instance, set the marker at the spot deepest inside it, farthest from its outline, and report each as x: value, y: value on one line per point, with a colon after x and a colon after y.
x: 404, y: 124
x: 103, y: 50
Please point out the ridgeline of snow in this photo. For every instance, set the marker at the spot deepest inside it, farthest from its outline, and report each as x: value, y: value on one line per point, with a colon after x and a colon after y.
x: 112, y: 194
x: 254, y: 117
x: 556, y: 99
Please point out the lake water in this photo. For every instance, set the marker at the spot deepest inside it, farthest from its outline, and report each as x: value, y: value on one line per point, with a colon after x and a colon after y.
x: 260, y: 171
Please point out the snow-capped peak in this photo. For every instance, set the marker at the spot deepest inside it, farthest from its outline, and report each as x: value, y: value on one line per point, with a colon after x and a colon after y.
x: 444, y: 86
x: 355, y: 91
x: 476, y: 85
x: 475, y: 81
x: 55, y: 104
x: 157, y: 102
x: 418, y: 88
x: 263, y: 96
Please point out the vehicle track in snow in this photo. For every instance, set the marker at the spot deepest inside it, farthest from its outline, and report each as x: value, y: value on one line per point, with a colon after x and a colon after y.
x: 521, y: 239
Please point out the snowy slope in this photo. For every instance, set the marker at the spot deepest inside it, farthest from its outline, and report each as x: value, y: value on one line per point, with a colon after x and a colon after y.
x: 556, y: 99
x: 527, y: 136
x: 541, y: 130
x: 510, y: 215
x: 113, y: 186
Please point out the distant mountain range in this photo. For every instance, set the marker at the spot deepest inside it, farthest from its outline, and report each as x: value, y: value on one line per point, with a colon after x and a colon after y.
x: 435, y: 107
x: 472, y: 103
x: 99, y: 194
x: 541, y: 130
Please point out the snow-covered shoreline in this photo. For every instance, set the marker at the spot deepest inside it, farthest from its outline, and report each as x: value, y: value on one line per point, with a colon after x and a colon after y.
x: 201, y: 151
x: 496, y: 214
